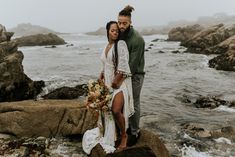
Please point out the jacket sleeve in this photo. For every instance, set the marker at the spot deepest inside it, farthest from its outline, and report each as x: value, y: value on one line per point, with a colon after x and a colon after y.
x: 136, y: 53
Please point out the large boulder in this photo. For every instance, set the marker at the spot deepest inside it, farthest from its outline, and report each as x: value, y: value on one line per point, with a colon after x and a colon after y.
x: 14, y: 84
x: 40, y: 40
x: 48, y: 118
x: 225, y: 61
x: 148, y: 145
x: 183, y: 33
x: 203, y: 41
x: 67, y: 92
x: 4, y: 35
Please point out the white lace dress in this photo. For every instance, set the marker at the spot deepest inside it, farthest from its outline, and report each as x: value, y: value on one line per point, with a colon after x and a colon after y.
x: 93, y: 136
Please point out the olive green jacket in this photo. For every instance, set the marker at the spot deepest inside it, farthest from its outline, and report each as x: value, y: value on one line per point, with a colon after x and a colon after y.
x: 136, y: 48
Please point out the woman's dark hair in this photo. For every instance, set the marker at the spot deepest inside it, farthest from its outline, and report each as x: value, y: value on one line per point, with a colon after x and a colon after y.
x: 115, y: 54
x: 126, y: 11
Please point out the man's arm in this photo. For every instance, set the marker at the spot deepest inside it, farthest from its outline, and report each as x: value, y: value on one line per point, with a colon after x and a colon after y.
x: 136, y: 54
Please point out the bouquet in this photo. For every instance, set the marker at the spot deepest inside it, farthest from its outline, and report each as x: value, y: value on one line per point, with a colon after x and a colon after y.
x: 97, y: 101
x: 98, y: 97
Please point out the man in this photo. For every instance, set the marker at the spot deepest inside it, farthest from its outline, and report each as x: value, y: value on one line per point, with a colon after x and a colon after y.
x: 136, y: 47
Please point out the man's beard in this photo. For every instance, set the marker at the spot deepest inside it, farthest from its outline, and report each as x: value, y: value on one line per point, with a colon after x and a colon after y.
x: 124, y: 34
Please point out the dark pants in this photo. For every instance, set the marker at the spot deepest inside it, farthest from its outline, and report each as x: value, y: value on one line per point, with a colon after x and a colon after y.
x: 134, y: 120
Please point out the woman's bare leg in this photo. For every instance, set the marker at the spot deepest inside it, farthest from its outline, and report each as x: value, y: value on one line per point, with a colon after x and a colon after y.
x: 117, y: 107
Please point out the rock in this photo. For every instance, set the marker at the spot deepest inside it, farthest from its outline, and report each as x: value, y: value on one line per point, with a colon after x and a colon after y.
x: 148, y: 145
x: 5, y: 136
x: 200, y: 131
x: 155, y: 40
x: 100, y: 31
x: 69, y: 45
x: 175, y: 51
x: 183, y: 33
x: 4, y: 35
x: 53, y: 46
x: 232, y: 103
x: 40, y: 40
x: 135, y: 151
x: 160, y: 51
x: 67, y: 92
x: 204, y: 41
x: 14, y: 84
x: 26, y: 29
x: 210, y: 102
x: 48, y: 118
x: 226, y: 61
x: 227, y: 132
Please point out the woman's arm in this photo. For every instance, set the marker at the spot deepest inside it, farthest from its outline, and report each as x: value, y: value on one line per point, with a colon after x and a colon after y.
x: 123, y: 69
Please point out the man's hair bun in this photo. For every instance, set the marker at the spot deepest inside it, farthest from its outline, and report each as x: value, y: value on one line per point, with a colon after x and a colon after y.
x: 126, y: 11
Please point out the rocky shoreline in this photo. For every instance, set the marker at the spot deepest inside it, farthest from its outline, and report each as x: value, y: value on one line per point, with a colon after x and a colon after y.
x: 31, y: 127
x: 39, y: 121
x: 46, y: 127
x: 217, y: 39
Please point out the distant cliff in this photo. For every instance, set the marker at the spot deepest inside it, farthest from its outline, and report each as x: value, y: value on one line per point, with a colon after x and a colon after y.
x: 27, y: 29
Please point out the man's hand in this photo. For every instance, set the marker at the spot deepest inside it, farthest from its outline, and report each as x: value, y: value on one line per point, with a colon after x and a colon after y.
x: 117, y: 81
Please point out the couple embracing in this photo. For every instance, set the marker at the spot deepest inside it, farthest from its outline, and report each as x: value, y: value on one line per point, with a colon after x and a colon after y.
x: 123, y: 71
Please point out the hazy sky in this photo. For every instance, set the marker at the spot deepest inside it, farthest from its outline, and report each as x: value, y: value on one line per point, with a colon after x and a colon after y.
x: 87, y: 15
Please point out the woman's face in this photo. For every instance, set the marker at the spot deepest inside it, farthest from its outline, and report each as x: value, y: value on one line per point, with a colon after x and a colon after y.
x: 113, y: 32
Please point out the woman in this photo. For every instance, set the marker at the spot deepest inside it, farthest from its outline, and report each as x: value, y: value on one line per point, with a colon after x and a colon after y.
x: 115, y: 74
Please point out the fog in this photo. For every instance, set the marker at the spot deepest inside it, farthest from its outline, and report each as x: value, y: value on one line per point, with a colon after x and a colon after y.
x: 88, y: 15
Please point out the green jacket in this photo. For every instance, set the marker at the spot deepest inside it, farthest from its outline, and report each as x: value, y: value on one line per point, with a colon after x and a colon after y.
x: 136, y: 47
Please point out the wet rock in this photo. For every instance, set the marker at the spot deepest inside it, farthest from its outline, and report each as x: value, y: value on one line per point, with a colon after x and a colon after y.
x: 227, y: 132
x: 67, y: 92
x: 224, y: 62
x: 69, y: 45
x: 183, y: 33
x: 161, y: 51
x: 148, y: 145
x: 196, y: 130
x: 175, y: 51
x: 4, y: 35
x: 14, y: 84
x: 53, y: 46
x: 204, y: 41
x: 40, y: 40
x: 48, y: 118
x: 210, y: 102
x: 155, y: 40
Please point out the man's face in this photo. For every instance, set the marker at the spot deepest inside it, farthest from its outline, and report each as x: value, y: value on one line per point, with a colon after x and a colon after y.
x: 124, y: 22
